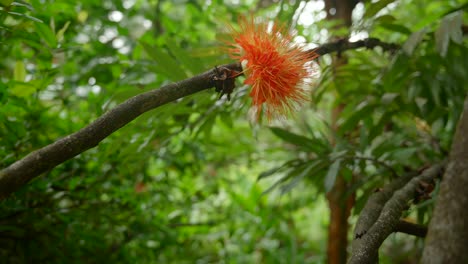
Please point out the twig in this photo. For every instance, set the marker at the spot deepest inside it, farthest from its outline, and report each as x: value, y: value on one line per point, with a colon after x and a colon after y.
x: 343, y: 45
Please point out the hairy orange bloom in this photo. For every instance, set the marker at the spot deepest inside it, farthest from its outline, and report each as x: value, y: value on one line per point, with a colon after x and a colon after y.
x: 274, y: 65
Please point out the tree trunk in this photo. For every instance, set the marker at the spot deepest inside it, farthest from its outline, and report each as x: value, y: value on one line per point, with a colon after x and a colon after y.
x: 447, y: 239
x: 340, y: 205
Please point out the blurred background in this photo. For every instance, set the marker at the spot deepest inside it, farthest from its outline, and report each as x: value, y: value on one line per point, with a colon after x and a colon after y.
x: 195, y: 181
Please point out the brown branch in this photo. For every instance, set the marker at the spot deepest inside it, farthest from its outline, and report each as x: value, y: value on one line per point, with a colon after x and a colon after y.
x: 411, y: 228
x: 48, y: 157
x: 374, y: 227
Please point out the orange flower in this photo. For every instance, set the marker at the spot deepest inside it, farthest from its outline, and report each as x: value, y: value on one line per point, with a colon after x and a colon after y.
x: 274, y: 65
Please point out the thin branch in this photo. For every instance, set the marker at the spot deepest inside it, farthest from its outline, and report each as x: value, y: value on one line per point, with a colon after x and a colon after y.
x: 343, y: 45
x: 411, y: 228
x: 382, y: 213
x: 32, y: 165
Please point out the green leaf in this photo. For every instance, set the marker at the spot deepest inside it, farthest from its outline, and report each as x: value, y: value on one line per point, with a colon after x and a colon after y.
x: 60, y: 33
x: 19, y: 73
x: 269, y: 172
x: 6, y: 2
x: 385, y: 19
x: 388, y: 98
x: 375, y: 7
x: 272, y: 171
x: 226, y: 119
x: 184, y: 57
x: 403, y: 155
x: 3, y: 89
x: 305, y: 143
x: 25, y: 16
x: 46, y: 34
x: 450, y: 28
x: 360, y: 112
x: 330, y: 178
x: 396, y: 28
x: 165, y: 64
x: 22, y: 89
x: 26, y: 5
x: 312, y: 166
x: 413, y: 41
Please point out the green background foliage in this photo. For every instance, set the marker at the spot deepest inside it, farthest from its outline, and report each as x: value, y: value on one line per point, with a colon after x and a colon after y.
x: 194, y: 181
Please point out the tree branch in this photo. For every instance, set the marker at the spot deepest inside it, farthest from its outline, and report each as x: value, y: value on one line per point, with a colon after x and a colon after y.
x: 411, y: 228
x: 381, y: 215
x: 48, y: 157
x: 343, y: 45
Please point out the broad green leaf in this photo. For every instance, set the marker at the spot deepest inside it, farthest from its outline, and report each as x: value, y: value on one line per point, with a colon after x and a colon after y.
x: 19, y: 73
x: 46, y: 34
x: 22, y: 89
x: 330, y: 178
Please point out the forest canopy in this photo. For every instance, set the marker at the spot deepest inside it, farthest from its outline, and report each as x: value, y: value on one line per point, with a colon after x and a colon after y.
x: 233, y: 131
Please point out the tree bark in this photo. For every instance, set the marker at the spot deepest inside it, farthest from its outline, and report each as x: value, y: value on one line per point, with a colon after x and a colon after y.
x: 339, y: 203
x: 381, y: 215
x: 447, y: 238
